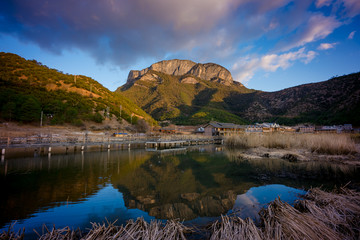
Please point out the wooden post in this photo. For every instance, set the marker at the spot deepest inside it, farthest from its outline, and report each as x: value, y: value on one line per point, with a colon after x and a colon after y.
x: 41, y: 118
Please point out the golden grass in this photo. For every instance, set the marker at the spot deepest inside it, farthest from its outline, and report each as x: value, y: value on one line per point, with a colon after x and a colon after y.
x: 320, y: 143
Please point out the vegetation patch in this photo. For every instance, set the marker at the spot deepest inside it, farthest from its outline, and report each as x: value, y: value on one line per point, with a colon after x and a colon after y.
x: 335, y: 144
x: 28, y: 88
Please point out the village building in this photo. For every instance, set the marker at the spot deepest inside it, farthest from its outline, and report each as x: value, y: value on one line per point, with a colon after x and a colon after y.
x: 348, y: 128
x: 306, y: 129
x: 174, y: 129
x: 287, y: 129
x: 253, y: 128
x: 269, y: 127
x: 327, y: 129
x: 223, y: 129
x: 171, y: 129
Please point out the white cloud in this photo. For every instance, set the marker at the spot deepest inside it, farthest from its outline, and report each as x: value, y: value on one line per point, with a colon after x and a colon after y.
x: 245, y: 68
x: 326, y: 46
x: 318, y: 27
x: 321, y: 3
x: 352, y: 7
x: 351, y: 35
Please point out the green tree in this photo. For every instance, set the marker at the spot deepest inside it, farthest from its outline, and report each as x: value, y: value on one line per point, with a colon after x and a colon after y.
x: 70, y: 114
x: 97, y: 118
x: 8, y: 110
x: 30, y: 110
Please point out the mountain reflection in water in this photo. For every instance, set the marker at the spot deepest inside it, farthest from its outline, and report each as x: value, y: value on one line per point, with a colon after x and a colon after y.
x: 196, y: 185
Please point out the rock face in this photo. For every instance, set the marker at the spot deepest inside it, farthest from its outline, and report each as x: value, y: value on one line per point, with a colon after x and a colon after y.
x: 173, y: 67
x: 212, y: 72
x: 176, y: 67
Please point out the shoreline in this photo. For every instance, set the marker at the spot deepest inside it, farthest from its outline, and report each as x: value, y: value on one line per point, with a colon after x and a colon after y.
x: 319, y: 215
x: 293, y: 155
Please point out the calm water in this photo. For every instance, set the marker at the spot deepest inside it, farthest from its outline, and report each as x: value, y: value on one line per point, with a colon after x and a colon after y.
x: 196, y: 185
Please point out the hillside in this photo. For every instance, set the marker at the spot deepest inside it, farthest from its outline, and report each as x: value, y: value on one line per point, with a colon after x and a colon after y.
x: 336, y: 101
x: 184, y: 92
x: 28, y: 88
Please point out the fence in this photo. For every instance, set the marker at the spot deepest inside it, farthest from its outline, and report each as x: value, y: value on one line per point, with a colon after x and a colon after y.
x: 57, y: 139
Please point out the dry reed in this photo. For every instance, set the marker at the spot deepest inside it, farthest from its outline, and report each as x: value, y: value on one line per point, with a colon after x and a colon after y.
x: 340, y: 211
x: 235, y: 228
x: 282, y: 221
x: 320, y: 143
x: 11, y: 235
x: 137, y: 230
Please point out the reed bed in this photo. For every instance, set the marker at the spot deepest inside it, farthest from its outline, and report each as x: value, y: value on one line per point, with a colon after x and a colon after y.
x: 282, y: 221
x: 134, y: 230
x: 320, y: 143
x: 319, y: 215
x: 137, y: 230
x: 59, y: 234
x: 340, y: 210
x: 235, y: 228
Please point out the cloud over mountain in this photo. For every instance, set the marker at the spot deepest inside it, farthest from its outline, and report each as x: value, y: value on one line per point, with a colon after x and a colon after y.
x: 125, y: 32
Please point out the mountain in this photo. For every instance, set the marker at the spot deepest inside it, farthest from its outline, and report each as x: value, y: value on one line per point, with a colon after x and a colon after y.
x: 28, y: 88
x: 209, y: 71
x: 184, y: 92
x: 336, y: 101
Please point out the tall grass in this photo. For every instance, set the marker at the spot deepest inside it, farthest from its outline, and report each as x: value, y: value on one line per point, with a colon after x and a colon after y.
x: 320, y: 143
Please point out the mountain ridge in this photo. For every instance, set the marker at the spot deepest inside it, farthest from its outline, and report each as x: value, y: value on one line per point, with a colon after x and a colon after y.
x: 190, y: 95
x: 177, y: 67
x: 327, y: 102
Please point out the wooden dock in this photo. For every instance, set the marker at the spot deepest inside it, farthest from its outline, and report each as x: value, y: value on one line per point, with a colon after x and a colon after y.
x: 42, y: 148
x: 171, y: 144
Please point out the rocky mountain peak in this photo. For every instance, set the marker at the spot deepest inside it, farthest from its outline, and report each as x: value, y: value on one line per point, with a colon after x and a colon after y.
x: 176, y: 67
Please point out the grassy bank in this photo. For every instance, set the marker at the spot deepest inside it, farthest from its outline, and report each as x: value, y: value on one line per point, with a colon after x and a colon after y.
x: 319, y: 143
x: 320, y: 215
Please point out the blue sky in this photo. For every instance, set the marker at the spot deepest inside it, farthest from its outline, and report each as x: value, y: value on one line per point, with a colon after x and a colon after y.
x: 266, y: 45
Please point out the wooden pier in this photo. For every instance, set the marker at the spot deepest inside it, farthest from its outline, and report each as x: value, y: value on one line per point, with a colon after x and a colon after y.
x: 26, y: 148
x: 171, y: 144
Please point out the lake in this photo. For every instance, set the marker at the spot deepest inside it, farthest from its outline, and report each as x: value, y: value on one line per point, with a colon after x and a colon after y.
x: 195, y: 185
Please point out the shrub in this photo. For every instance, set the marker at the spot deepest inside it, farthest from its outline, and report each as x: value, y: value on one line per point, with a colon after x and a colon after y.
x: 78, y: 123
x: 97, y: 118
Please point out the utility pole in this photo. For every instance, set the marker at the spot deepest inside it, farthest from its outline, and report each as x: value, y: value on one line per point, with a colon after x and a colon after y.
x: 75, y: 79
x: 41, y: 118
x: 91, y: 87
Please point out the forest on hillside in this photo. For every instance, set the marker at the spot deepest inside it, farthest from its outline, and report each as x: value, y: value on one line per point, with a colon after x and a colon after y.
x: 29, y: 90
